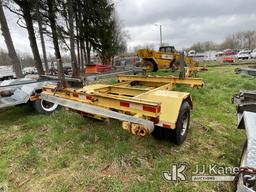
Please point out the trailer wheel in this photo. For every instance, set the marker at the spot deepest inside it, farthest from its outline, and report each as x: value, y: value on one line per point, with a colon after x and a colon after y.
x: 45, y: 107
x: 182, y: 124
x: 150, y: 66
x: 178, y: 135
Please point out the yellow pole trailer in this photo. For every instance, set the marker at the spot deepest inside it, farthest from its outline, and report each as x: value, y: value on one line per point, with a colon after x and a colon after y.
x: 145, y: 104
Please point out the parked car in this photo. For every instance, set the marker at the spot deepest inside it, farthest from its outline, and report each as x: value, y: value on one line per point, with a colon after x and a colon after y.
x: 219, y: 54
x: 67, y: 70
x: 6, y: 72
x: 191, y: 53
x: 228, y: 52
x: 29, y: 70
x: 253, y: 53
x: 228, y: 59
x: 245, y: 54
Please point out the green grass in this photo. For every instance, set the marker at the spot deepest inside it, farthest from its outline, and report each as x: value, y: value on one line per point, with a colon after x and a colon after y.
x: 66, y: 152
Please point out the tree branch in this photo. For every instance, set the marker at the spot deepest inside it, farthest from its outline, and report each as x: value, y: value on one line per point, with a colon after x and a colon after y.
x: 12, y: 10
x: 18, y: 23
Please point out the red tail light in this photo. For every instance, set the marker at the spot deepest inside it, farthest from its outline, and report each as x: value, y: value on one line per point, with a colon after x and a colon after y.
x: 124, y: 104
x: 75, y: 95
x: 166, y: 126
x: 152, y: 109
x: 89, y: 97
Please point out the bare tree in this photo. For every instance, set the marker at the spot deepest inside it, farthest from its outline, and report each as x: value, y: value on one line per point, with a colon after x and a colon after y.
x: 4, y: 58
x: 75, y: 70
x: 9, y: 43
x: 78, y: 26
x: 249, y: 37
x: 40, y: 29
x: 51, y: 15
x: 25, y: 6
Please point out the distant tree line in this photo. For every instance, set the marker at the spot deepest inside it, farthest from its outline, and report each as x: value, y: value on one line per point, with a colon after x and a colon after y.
x: 77, y: 26
x: 236, y: 41
x: 150, y: 46
x: 26, y: 60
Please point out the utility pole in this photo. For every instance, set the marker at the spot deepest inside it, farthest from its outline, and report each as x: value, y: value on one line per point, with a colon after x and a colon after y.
x: 161, y: 36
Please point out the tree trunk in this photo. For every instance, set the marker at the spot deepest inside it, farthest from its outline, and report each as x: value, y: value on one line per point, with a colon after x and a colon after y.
x: 31, y: 34
x: 75, y: 70
x: 9, y: 43
x: 78, y: 38
x: 88, y: 52
x: 53, y: 26
x: 42, y: 39
x: 250, y: 42
x: 82, y: 54
x: 78, y: 54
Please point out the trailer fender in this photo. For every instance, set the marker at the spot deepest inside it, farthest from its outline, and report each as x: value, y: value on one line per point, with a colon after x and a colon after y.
x: 175, y: 107
x: 171, y: 102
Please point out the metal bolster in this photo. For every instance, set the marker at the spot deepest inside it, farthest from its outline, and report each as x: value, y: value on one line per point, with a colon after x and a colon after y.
x: 248, y: 121
x: 243, y: 188
x: 249, y: 71
x: 97, y: 111
x: 171, y: 79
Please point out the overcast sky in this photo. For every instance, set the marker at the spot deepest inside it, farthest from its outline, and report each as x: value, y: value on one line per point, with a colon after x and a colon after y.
x: 184, y: 22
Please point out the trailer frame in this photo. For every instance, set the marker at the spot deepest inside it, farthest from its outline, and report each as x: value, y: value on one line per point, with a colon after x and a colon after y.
x: 140, y: 102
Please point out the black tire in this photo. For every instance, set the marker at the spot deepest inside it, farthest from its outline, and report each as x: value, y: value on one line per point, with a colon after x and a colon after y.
x: 158, y: 133
x: 44, y: 107
x: 151, y: 65
x: 173, y: 65
x: 173, y: 68
x: 182, y: 124
x: 178, y: 135
x: 238, y: 71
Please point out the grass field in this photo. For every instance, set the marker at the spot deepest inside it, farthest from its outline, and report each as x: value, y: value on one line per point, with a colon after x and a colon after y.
x: 66, y: 152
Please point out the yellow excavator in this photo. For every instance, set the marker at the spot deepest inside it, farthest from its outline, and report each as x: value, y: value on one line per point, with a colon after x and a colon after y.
x: 166, y: 58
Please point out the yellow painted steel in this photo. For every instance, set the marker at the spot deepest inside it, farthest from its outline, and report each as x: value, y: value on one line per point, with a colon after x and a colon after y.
x: 147, y: 97
x: 190, y: 71
x: 192, y: 82
x: 125, y: 91
x: 163, y: 60
x: 171, y: 102
x: 106, y: 100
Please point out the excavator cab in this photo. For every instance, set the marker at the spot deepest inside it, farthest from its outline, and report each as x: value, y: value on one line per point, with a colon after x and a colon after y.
x: 167, y: 49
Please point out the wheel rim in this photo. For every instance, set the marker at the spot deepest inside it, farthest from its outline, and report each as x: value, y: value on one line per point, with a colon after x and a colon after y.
x: 48, y: 106
x: 185, y: 121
